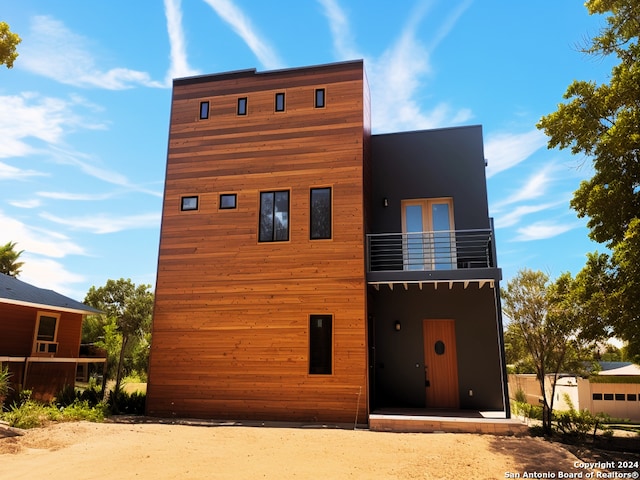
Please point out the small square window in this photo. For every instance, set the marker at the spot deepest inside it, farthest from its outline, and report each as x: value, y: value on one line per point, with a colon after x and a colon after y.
x: 204, y: 110
x: 189, y: 203
x: 242, y: 106
x: 631, y: 397
x: 608, y: 396
x: 620, y: 397
x: 319, y: 97
x: 280, y: 102
x: 227, y: 201
x: 597, y: 396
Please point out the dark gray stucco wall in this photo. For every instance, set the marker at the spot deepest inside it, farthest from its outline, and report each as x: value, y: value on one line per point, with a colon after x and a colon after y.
x: 447, y: 162
x: 399, y: 356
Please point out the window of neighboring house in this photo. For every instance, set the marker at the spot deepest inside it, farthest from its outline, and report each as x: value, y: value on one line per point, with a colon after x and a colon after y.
x: 274, y: 216
x: 242, y: 106
x: 597, y: 396
x: 204, y: 110
x: 631, y: 397
x: 620, y: 397
x: 47, y: 332
x: 189, y: 203
x: 280, y: 102
x: 608, y: 396
x: 319, y: 97
x: 320, y: 214
x: 228, y: 201
x: 320, y: 344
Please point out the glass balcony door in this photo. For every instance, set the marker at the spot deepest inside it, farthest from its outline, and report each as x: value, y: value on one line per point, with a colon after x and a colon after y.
x: 428, y: 234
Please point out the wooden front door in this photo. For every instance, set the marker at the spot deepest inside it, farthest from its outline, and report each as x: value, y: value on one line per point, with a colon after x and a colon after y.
x: 440, y: 364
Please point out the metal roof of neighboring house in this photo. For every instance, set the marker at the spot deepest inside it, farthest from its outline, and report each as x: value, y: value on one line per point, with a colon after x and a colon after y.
x: 16, y: 292
x: 628, y: 369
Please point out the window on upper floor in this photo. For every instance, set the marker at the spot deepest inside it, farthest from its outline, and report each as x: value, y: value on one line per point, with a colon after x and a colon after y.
x: 47, y: 332
x: 189, y: 203
x: 228, y: 201
x: 242, y: 106
x: 279, y: 107
x: 320, y: 344
x: 319, y: 98
x: 204, y: 110
x: 274, y: 216
x: 320, y: 213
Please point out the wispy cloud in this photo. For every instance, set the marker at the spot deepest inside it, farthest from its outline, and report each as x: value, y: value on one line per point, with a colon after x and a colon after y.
x: 536, y: 186
x: 7, y: 172
x: 241, y: 24
x: 75, y: 197
x: 542, y: 230
x: 106, y: 223
x: 506, y: 150
x: 30, y: 203
x: 517, y: 214
x: 50, y: 274
x: 52, y: 50
x: 37, y: 241
x: 343, y: 41
x: 398, y: 75
x: 179, y: 66
x: 89, y: 166
x: 29, y: 116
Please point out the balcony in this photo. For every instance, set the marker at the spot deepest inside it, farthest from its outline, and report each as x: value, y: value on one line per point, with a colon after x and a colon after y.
x: 446, y: 255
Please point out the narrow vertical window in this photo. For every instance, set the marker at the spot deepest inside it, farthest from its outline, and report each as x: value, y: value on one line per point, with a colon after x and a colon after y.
x: 46, y: 333
x: 320, y: 344
x: 189, y: 203
x: 319, y: 97
x: 320, y: 214
x: 242, y: 106
x: 274, y: 216
x: 204, y: 110
x: 280, y: 102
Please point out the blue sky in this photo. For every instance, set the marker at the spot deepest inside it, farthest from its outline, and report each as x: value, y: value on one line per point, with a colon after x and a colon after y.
x: 84, y: 113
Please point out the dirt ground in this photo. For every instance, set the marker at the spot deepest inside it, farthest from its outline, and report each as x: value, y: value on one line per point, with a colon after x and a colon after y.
x: 83, y: 450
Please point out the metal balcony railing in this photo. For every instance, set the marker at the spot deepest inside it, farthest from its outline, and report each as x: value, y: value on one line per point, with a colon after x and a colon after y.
x: 439, y: 250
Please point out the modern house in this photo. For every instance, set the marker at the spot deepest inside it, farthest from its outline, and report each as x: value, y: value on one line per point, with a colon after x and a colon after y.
x: 40, y: 333
x: 311, y: 271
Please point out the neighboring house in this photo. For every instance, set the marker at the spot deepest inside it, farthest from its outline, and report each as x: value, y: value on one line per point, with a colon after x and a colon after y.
x: 311, y: 271
x: 40, y: 332
x: 615, y: 390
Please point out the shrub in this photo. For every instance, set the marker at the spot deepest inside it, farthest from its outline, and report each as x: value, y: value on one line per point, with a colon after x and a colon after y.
x: 5, y: 386
x: 527, y: 410
x: 82, y: 410
x: 123, y: 403
x: 578, y: 424
x: 31, y: 414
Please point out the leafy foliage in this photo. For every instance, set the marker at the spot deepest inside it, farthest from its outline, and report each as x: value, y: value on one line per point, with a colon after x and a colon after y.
x: 601, y: 123
x: 547, y: 329
x: 9, y: 264
x: 578, y: 424
x: 123, y: 403
x: 8, y: 43
x: 125, y: 325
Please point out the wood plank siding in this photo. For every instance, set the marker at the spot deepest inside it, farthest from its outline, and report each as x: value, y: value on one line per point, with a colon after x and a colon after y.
x: 231, y: 319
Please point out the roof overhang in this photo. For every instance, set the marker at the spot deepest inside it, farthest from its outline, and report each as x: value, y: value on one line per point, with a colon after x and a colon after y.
x: 481, y: 283
x: 56, y: 308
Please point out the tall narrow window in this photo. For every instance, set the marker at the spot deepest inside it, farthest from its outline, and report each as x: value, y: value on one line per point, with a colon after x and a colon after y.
x: 319, y: 97
x: 320, y: 344
x: 320, y: 205
x: 242, y: 106
x: 204, y: 110
x: 47, y: 331
x: 280, y: 102
x: 274, y: 216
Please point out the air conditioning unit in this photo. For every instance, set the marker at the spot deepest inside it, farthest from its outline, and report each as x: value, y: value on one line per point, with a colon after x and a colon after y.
x: 46, y: 347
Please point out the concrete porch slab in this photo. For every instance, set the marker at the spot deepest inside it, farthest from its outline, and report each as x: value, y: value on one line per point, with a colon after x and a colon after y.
x: 449, y: 421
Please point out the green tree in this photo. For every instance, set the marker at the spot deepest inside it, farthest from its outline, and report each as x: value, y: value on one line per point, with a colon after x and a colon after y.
x: 128, y: 308
x: 601, y: 122
x: 545, y: 320
x: 9, y: 264
x: 8, y: 43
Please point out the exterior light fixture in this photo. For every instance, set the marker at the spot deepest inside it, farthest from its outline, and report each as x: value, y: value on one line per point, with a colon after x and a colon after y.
x: 385, y: 202
x: 397, y: 325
